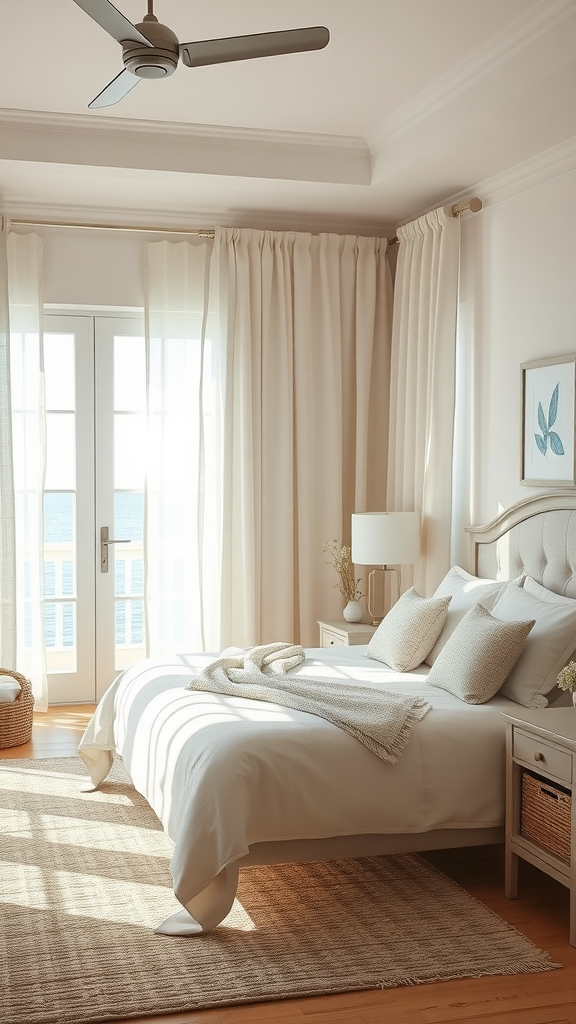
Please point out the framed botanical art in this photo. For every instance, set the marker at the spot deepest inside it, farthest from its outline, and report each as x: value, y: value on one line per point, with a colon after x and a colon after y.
x: 548, y: 422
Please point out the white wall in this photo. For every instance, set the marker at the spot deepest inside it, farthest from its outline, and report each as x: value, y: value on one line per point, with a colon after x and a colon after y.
x: 519, y: 296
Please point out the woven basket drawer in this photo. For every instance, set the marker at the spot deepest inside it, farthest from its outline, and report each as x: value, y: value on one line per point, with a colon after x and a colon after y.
x: 546, y: 815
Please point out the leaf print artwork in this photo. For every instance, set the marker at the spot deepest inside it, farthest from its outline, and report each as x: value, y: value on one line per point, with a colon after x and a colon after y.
x: 547, y: 435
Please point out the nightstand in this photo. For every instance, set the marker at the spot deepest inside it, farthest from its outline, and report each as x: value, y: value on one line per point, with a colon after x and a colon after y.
x: 540, y: 809
x: 338, y: 633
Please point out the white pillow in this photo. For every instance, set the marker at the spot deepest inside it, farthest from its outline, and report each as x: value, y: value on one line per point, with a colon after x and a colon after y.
x: 465, y: 590
x: 549, y: 646
x: 9, y: 689
x: 475, y: 661
x: 537, y: 590
x: 409, y: 630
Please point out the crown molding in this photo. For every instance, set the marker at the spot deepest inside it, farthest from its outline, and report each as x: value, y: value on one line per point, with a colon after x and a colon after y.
x: 173, y: 146
x: 530, y: 174
x: 523, y: 177
x: 136, y: 127
x: 541, y: 18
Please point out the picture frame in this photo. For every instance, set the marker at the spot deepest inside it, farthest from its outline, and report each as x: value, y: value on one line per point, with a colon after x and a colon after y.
x: 548, y: 418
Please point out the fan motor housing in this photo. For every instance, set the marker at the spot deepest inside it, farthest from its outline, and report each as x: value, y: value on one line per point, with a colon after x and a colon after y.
x: 158, y: 60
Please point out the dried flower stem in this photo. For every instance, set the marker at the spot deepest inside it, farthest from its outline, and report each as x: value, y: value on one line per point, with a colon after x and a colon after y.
x: 340, y: 558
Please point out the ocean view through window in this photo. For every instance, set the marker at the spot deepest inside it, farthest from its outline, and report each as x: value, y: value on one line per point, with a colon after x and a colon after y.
x: 59, y: 577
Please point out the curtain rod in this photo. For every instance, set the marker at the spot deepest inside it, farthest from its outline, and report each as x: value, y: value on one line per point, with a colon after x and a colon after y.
x: 200, y: 232
x: 453, y: 210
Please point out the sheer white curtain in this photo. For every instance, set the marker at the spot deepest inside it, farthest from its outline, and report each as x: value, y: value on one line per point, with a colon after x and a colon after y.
x: 281, y: 437
x: 7, y: 510
x: 24, y: 433
x: 182, y: 511
x: 422, y: 395
x: 306, y: 420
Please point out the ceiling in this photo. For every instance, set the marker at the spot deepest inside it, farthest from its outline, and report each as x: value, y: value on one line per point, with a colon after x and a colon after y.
x: 412, y: 103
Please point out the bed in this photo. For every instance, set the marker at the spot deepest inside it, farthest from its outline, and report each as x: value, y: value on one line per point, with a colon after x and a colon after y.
x: 238, y: 781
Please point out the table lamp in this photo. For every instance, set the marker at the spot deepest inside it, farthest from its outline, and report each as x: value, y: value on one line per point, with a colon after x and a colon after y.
x: 383, y: 539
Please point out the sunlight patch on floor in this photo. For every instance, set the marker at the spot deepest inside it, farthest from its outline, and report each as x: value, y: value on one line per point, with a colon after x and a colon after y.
x: 108, y: 899
x: 239, y: 919
x: 100, y: 835
x: 16, y: 823
x: 23, y: 886
x: 39, y: 781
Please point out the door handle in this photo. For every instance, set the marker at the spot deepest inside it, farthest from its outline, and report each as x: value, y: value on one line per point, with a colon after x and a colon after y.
x: 105, y: 540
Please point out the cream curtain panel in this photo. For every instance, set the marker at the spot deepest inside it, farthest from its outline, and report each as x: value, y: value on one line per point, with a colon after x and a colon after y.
x: 298, y: 331
x: 422, y: 395
x: 23, y: 425
x: 309, y: 320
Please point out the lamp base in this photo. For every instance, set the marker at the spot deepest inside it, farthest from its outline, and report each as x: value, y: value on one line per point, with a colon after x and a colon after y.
x: 370, y: 598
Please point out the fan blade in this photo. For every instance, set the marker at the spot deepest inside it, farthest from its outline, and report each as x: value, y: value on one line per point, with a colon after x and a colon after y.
x: 115, y: 90
x: 264, y: 44
x: 112, y: 21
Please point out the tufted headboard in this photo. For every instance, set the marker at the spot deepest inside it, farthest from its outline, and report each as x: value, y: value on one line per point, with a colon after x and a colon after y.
x: 536, y: 536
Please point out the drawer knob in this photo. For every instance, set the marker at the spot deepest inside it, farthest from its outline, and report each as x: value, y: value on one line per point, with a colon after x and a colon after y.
x: 538, y: 756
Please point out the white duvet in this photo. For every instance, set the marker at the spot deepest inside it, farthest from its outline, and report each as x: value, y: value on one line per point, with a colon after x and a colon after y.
x: 223, y: 773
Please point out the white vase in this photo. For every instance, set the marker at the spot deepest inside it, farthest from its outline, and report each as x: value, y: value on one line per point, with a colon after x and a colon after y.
x: 353, y: 611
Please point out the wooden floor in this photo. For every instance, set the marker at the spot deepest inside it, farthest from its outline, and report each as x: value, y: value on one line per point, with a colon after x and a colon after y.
x: 540, y: 913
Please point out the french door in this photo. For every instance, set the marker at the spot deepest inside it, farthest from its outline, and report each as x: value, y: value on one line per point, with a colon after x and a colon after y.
x: 93, y: 502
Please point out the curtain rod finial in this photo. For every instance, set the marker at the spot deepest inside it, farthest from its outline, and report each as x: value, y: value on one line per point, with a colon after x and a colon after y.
x: 455, y: 209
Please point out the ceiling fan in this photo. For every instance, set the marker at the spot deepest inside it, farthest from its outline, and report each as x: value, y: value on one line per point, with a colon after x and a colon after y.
x: 151, y: 50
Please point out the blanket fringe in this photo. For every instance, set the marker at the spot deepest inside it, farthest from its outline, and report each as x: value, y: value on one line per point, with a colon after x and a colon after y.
x: 415, y: 715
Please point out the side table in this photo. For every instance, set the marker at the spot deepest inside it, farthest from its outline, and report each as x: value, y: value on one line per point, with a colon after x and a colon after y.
x: 540, y: 808
x: 338, y: 633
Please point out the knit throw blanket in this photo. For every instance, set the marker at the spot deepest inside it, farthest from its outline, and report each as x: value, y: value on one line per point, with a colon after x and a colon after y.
x: 382, y: 721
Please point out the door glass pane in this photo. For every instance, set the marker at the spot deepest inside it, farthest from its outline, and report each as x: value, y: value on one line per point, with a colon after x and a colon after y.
x: 60, y: 451
x: 129, y: 375
x: 129, y: 470
x: 129, y: 450
x: 59, y: 368
x: 60, y: 608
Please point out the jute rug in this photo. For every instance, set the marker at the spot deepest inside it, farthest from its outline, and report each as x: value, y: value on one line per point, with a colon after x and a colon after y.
x: 84, y: 878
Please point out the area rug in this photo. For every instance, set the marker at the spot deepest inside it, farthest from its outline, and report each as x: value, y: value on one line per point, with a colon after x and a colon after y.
x: 84, y: 878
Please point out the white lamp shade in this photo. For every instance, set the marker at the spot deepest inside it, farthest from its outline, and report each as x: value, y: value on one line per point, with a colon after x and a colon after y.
x: 385, y: 538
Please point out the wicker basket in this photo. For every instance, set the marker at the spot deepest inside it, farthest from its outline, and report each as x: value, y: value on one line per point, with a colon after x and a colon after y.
x: 16, y: 715
x: 546, y: 815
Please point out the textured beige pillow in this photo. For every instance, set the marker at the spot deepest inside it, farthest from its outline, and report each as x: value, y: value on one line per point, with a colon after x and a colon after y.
x: 466, y: 590
x: 409, y: 631
x: 478, y: 656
